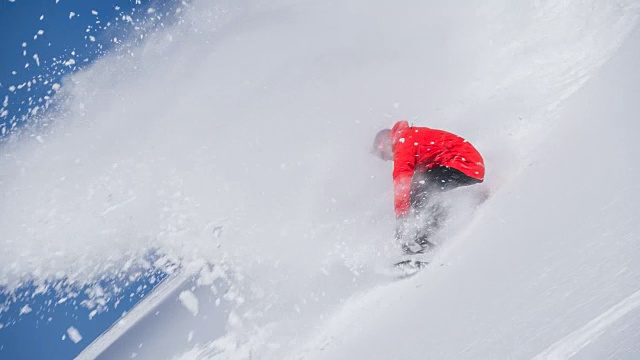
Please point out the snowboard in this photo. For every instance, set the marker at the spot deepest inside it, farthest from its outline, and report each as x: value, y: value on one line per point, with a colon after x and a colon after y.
x: 410, y: 267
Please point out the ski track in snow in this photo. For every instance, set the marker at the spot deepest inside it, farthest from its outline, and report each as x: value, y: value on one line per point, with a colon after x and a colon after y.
x: 571, y: 344
x: 116, y: 206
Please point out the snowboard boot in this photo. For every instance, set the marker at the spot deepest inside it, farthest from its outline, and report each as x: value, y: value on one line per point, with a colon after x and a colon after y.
x: 418, y: 246
x: 424, y: 243
x: 412, y: 248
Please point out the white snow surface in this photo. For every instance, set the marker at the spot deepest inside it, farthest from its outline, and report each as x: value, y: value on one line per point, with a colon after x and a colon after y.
x: 235, y: 144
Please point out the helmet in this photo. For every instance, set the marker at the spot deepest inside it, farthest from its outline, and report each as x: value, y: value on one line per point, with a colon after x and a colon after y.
x: 382, y: 145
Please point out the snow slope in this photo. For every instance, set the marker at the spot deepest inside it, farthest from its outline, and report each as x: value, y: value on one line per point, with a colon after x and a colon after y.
x: 549, y: 268
x: 236, y: 144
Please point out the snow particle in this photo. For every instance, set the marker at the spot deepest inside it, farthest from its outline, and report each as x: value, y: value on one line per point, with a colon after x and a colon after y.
x: 25, y: 309
x: 74, y: 334
x: 401, y: 140
x: 55, y: 87
x: 94, y: 12
x: 71, y: 14
x: 189, y: 301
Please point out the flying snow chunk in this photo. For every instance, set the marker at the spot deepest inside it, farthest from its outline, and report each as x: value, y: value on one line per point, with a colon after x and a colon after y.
x: 25, y: 309
x: 151, y: 10
x: 189, y: 301
x: 40, y: 32
x: 55, y: 87
x: 74, y: 334
x: 92, y: 38
x: 71, y: 14
x: 69, y: 62
x: 94, y: 12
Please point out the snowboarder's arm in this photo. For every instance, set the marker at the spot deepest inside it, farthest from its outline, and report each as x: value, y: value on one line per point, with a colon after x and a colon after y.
x: 402, y: 190
x: 403, y: 168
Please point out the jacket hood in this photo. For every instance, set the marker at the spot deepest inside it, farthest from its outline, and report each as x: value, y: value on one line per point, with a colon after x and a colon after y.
x: 397, y: 130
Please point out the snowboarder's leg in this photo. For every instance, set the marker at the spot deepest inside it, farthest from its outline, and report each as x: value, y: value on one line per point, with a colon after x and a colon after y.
x: 426, y: 199
x: 426, y: 210
x: 446, y: 178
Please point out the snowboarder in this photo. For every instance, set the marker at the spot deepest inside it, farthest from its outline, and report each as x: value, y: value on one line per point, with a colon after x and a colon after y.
x: 426, y: 163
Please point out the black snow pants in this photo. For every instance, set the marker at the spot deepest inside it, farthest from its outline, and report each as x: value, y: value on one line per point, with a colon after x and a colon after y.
x: 426, y: 187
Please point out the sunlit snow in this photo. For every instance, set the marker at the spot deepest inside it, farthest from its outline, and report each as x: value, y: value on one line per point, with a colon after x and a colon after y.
x: 231, y: 151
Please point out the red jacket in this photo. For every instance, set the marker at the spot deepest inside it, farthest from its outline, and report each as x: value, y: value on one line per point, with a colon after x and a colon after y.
x: 419, y: 149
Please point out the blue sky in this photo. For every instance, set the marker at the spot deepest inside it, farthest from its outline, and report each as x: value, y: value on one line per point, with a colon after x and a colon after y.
x: 42, y: 41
